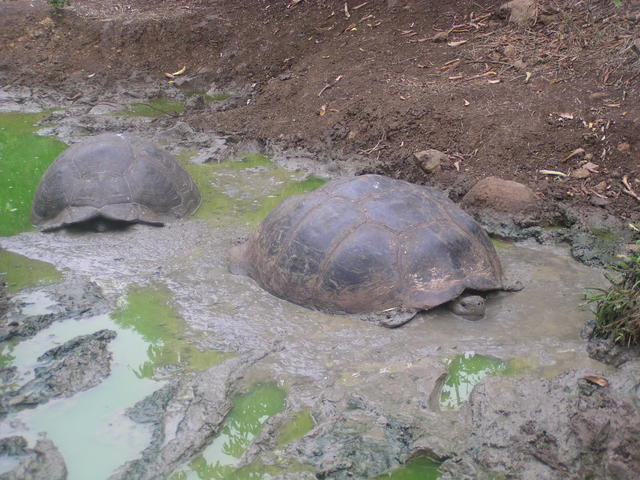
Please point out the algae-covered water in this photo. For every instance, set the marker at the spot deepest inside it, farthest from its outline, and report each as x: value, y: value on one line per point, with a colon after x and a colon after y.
x: 20, y: 272
x: 24, y: 157
x: 220, y: 459
x: 463, y: 373
x: 419, y: 467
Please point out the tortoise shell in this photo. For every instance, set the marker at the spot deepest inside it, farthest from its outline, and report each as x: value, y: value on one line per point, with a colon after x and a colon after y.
x: 117, y: 177
x: 368, y: 244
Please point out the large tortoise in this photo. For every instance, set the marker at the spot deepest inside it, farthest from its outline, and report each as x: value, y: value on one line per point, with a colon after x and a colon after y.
x: 371, y: 244
x: 115, y: 177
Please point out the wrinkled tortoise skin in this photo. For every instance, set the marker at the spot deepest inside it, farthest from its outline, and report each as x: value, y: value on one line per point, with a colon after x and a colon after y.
x: 116, y: 177
x: 368, y: 244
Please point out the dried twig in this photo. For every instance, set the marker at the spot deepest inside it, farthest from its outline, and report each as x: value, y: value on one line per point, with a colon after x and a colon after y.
x: 628, y: 190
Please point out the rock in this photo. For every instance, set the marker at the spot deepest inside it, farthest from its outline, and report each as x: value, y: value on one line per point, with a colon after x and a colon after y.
x: 195, y: 102
x: 521, y: 12
x: 430, y: 160
x: 500, y: 195
x: 4, y: 298
x: 42, y: 462
x: 624, y: 147
x: 74, y: 366
x: 599, y: 201
x: 105, y: 108
x: 565, y: 427
x: 440, y: 37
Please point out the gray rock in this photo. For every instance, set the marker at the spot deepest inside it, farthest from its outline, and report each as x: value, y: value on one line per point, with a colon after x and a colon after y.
x: 561, y: 428
x: 42, y: 462
x: 75, y: 366
x: 431, y: 160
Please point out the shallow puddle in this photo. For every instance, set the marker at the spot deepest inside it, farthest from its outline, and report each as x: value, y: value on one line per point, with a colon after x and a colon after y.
x: 149, y: 312
x: 24, y: 157
x: 90, y: 428
x: 298, y: 425
x: 247, y: 417
x: 463, y: 373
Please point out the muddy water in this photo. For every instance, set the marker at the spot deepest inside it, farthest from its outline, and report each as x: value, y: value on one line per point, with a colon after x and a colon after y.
x: 186, y: 313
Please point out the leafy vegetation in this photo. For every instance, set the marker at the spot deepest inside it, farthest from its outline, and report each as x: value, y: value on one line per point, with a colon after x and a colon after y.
x: 617, y: 309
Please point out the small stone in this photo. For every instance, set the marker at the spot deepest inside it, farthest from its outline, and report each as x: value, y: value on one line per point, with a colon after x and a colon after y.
x: 597, y: 201
x: 521, y: 12
x: 440, y: 37
x: 602, y: 186
x: 501, y: 195
x: 519, y: 65
x: 580, y: 173
x: 624, y: 147
x: 430, y: 160
x: 510, y: 51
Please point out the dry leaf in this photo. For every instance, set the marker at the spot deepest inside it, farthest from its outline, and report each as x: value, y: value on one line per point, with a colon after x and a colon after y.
x: 180, y: 72
x: 323, y: 110
x: 580, y: 173
x: 577, y: 151
x: 600, y: 381
x: 592, y: 167
x: 457, y: 44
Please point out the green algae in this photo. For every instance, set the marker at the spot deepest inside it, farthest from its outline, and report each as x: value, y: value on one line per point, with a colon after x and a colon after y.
x: 268, y: 203
x: 24, y: 157
x: 21, y: 272
x: 264, y: 186
x: 418, y: 467
x: 299, y: 425
x: 151, y: 314
x: 154, y: 107
x: 260, y: 471
x: 465, y: 372
x: 245, y: 420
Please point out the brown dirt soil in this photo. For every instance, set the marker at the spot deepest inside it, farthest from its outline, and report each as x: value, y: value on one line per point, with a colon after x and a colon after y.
x: 367, y: 79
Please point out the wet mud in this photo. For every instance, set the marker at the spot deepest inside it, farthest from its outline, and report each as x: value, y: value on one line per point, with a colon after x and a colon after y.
x: 373, y: 397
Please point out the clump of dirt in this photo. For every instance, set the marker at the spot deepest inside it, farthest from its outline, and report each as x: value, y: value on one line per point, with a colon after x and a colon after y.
x: 552, y: 103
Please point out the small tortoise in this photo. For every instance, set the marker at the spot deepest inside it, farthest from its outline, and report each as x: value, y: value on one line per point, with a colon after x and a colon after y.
x: 371, y: 244
x: 114, y: 177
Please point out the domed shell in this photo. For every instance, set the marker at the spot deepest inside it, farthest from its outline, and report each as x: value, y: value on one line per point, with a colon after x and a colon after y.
x: 368, y: 244
x: 117, y: 177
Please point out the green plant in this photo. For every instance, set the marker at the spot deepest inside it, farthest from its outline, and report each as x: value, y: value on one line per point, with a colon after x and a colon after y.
x: 617, y: 309
x: 57, y: 5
